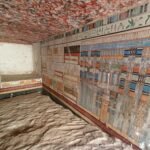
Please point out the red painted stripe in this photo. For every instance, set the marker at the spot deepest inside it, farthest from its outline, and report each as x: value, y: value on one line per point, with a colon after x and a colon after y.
x: 20, y: 87
x: 71, y: 59
x: 102, y: 126
x: 72, y: 54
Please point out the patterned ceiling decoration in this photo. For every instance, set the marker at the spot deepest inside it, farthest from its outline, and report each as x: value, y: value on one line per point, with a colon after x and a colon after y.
x: 29, y: 21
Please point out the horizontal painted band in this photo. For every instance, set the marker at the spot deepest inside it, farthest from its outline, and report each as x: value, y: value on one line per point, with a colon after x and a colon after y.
x: 19, y: 87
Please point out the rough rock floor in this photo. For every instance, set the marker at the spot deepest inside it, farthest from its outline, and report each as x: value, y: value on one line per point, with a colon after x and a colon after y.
x: 35, y: 122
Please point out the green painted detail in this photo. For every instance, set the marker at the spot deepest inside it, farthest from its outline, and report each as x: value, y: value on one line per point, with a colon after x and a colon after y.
x: 148, y: 18
x: 131, y: 24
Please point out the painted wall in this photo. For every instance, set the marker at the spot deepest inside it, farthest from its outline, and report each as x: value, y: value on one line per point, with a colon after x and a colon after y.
x: 16, y: 59
x: 108, y: 76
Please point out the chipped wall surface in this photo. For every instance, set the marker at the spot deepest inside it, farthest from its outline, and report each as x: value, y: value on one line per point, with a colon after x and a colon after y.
x: 20, y: 67
x: 36, y: 49
x: 31, y: 21
x: 107, y: 76
x: 16, y: 59
x: 20, y: 59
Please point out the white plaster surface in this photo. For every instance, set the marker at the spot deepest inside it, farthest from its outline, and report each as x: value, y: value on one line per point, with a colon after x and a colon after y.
x: 37, y: 58
x: 16, y: 59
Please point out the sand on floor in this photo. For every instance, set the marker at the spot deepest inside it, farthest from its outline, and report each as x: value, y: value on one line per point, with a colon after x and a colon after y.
x: 35, y: 122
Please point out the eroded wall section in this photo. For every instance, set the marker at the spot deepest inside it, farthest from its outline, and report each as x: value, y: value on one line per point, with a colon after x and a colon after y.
x: 20, y: 67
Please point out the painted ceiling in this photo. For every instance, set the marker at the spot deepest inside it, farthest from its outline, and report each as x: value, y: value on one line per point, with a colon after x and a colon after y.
x: 29, y: 21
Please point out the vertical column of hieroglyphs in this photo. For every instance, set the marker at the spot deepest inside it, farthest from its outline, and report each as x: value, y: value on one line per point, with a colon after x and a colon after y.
x: 72, y: 72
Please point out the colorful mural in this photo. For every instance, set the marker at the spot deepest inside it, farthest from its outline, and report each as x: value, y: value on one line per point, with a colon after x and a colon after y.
x: 109, y: 80
x: 120, y: 71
